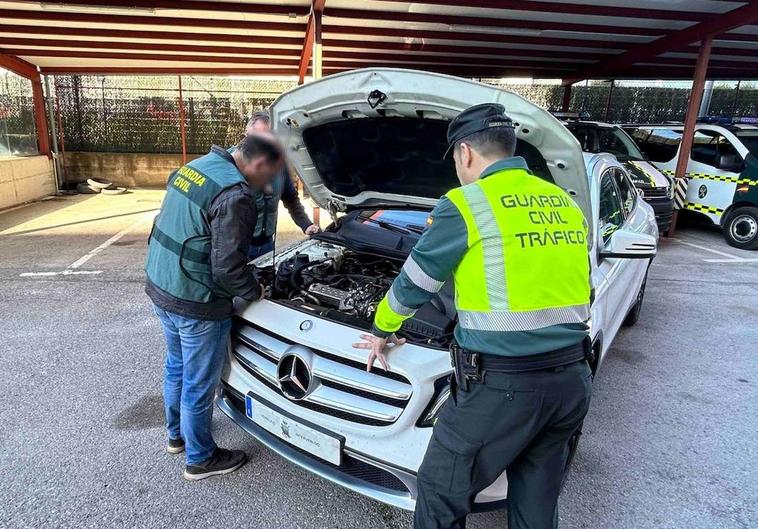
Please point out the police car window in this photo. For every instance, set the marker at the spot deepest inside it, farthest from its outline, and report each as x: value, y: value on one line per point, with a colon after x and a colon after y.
x: 611, y: 212
x: 659, y: 145
x: 627, y: 192
x: 709, y: 146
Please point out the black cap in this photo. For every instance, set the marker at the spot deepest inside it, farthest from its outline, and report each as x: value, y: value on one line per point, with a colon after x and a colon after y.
x: 474, y: 119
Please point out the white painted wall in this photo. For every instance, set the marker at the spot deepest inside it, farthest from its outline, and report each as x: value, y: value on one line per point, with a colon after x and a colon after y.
x: 23, y: 179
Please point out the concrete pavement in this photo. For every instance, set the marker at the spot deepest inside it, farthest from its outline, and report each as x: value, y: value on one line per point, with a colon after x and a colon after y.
x: 670, y: 440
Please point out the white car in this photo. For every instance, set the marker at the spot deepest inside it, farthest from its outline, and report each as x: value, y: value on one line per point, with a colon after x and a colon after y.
x: 368, y: 145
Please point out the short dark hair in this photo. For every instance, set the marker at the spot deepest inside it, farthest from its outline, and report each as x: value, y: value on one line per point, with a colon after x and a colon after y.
x: 254, y: 145
x: 259, y: 115
x: 492, y: 142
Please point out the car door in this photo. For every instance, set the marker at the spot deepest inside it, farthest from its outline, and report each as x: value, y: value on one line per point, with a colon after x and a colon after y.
x: 713, y: 171
x: 617, y: 208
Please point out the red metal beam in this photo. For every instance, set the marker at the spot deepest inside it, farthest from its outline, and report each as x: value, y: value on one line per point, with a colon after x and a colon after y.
x: 56, y: 31
x: 93, y: 45
x: 646, y: 52
x: 268, y: 61
x: 690, y: 118
x: 317, y: 9
x: 370, y: 57
x: 160, y: 21
x: 574, y: 9
x: 151, y: 70
x: 40, y: 118
x: 459, y: 71
x: 489, y: 22
x: 18, y: 66
x: 447, y: 49
x: 258, y: 9
x: 566, y: 103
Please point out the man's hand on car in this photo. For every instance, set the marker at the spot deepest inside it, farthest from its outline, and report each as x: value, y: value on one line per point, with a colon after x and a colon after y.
x: 377, y: 345
x: 312, y: 229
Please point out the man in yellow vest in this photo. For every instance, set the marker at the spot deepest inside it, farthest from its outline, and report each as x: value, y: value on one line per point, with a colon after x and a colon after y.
x: 516, y: 248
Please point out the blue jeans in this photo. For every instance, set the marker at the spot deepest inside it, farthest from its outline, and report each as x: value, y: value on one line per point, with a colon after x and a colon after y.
x: 257, y: 251
x: 194, y: 359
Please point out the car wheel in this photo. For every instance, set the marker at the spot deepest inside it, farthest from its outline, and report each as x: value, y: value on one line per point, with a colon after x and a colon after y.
x: 573, y: 445
x: 634, y: 312
x: 86, y: 189
x: 99, y: 183
x: 741, y: 228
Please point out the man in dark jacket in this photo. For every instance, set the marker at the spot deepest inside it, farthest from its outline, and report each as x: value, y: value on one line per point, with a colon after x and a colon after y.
x: 196, y: 265
x: 267, y: 200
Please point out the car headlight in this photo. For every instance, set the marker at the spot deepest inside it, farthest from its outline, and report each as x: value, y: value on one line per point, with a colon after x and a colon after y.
x: 441, y: 394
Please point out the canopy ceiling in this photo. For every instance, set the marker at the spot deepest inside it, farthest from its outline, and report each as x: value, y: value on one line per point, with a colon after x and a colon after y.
x: 565, y: 39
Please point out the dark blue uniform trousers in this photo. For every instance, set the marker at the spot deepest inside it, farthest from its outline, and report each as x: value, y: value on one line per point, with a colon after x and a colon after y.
x: 518, y: 423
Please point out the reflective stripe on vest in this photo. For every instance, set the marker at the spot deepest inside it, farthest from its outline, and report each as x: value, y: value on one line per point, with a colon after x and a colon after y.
x: 526, y: 266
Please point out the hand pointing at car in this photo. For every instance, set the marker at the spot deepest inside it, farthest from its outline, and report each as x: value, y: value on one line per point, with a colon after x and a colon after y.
x: 377, y: 346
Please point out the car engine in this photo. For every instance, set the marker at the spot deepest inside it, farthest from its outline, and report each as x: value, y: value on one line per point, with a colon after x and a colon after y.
x: 346, y: 286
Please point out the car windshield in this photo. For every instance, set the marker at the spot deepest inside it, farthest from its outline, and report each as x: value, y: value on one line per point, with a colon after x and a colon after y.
x: 612, y: 140
x: 750, y: 140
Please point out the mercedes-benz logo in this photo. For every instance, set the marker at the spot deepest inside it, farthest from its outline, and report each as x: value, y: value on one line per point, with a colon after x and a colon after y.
x: 294, y: 376
x: 306, y: 325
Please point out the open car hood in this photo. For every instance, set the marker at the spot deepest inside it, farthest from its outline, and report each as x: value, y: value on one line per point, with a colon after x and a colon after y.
x: 375, y: 137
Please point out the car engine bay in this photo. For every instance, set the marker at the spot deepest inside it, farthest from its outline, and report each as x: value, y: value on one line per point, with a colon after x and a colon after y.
x: 346, y: 286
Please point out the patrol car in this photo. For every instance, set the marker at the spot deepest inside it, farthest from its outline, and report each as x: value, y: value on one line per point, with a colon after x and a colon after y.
x: 722, y: 172
x: 369, y: 144
x: 596, y: 137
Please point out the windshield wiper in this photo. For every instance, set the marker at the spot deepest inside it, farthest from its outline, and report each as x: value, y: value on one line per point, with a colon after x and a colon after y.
x: 389, y: 226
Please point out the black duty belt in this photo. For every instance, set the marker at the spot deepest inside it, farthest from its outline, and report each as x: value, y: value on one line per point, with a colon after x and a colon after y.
x: 521, y: 364
x: 471, y: 366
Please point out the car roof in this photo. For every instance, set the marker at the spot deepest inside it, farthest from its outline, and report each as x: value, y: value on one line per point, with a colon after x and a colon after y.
x: 598, y: 124
x: 677, y: 126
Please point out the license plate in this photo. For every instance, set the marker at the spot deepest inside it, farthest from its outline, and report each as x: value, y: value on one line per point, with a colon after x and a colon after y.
x: 309, y: 437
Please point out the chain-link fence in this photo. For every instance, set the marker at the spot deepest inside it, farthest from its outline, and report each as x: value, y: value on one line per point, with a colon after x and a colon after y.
x: 142, y: 114
x: 17, y: 132
x: 638, y: 101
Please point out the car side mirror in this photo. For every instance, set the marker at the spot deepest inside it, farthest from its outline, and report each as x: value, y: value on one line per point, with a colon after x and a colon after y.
x: 627, y: 244
x: 730, y: 162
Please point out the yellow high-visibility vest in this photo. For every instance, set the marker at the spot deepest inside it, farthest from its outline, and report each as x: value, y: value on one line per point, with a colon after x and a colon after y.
x: 526, y: 266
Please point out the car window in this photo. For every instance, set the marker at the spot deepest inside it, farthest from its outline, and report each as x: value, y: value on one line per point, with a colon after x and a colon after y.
x: 627, y: 191
x: 749, y: 139
x: 658, y: 144
x: 611, y: 211
x: 708, y: 147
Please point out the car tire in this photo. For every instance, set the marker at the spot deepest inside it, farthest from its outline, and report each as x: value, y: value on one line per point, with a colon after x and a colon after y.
x: 634, y: 313
x: 741, y: 228
x: 84, y: 188
x: 99, y: 183
x: 113, y: 191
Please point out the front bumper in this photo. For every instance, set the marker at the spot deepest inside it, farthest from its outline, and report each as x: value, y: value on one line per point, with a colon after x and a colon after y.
x: 375, y: 413
x: 357, y: 472
x: 663, y: 207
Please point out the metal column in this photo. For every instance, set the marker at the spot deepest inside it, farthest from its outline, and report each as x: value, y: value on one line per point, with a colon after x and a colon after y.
x: 182, y: 128
x: 696, y: 96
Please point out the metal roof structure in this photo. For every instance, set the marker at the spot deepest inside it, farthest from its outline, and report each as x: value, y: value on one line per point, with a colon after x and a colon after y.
x: 568, y: 39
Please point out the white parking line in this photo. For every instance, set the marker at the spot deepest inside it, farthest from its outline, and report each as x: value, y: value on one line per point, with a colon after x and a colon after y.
x: 72, y: 268
x: 705, y: 248
x: 738, y: 260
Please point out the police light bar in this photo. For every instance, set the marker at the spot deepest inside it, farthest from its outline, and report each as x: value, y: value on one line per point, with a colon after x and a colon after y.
x: 751, y: 120
x: 566, y: 116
